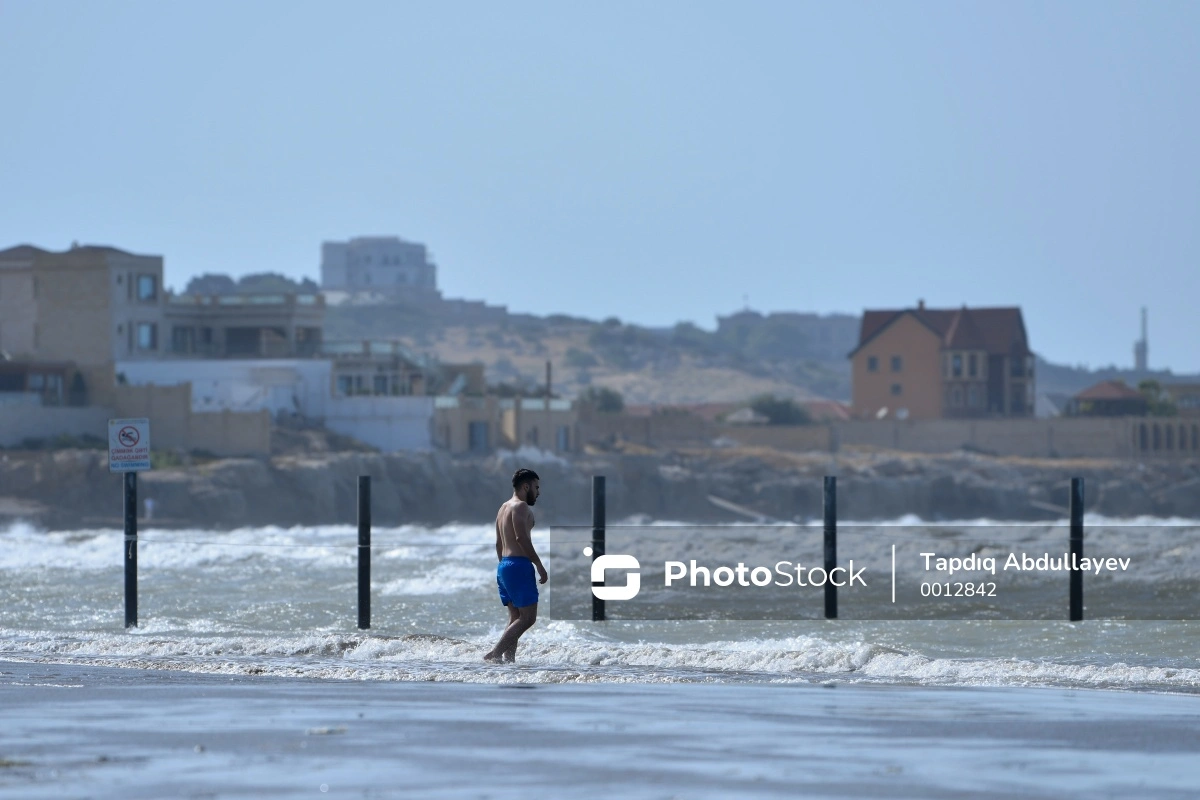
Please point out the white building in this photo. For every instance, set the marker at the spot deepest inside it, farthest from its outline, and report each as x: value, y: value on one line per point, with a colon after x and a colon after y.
x: 304, y: 387
x: 386, y: 264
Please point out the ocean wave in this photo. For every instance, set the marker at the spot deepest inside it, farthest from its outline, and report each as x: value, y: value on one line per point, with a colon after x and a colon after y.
x: 561, y: 653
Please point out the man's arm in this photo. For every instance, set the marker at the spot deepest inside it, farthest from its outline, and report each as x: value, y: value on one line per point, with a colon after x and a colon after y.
x: 499, y: 550
x: 523, y: 525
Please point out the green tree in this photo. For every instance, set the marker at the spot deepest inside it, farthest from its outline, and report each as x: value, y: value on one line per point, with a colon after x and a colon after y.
x: 602, y: 399
x: 780, y: 410
x: 1158, y: 402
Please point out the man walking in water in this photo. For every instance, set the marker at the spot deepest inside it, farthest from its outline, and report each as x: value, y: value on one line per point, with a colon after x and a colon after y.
x: 514, y: 574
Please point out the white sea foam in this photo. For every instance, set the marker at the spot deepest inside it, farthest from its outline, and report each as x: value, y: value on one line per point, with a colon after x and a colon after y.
x: 442, y: 579
x: 560, y: 654
x: 236, y: 601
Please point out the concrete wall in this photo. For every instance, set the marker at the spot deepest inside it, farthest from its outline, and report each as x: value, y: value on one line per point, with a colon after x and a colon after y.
x: 1062, y: 437
x: 388, y: 423
x: 169, y: 409
x: 656, y: 430
x: 227, y: 433
x: 21, y: 421
x: 276, y: 385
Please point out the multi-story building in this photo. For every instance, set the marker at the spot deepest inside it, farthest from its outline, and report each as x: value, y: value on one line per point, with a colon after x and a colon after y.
x: 244, y: 325
x: 385, y: 264
x: 923, y: 363
x: 89, y: 305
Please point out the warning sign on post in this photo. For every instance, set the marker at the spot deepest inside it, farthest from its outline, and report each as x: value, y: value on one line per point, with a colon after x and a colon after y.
x: 128, y: 445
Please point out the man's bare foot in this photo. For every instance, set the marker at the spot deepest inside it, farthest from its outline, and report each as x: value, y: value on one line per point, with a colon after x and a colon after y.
x: 492, y: 658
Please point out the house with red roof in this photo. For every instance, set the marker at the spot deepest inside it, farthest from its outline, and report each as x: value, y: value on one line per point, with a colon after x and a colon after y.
x: 926, y: 363
x: 1108, y: 399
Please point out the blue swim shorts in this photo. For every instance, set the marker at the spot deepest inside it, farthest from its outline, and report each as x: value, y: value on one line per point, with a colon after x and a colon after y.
x: 517, y: 581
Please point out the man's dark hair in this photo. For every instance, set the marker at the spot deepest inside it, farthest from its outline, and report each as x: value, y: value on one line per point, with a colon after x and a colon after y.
x: 524, y: 476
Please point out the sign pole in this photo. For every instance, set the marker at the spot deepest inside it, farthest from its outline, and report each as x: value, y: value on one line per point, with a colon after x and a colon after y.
x: 364, y: 552
x: 598, y: 524
x: 131, y: 609
x: 129, y: 453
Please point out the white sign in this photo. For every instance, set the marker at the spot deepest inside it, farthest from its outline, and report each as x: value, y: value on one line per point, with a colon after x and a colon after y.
x: 128, y: 445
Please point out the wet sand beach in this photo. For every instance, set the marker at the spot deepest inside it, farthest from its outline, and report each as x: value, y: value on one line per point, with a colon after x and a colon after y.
x: 73, y: 731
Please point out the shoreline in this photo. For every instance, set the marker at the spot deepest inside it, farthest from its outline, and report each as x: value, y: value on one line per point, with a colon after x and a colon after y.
x: 67, y: 489
x: 112, y: 732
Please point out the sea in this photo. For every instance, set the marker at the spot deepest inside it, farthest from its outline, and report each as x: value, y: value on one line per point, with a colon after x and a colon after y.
x: 283, y: 602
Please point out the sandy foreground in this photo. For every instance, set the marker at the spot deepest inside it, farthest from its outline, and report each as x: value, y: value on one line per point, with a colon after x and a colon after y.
x: 72, y: 731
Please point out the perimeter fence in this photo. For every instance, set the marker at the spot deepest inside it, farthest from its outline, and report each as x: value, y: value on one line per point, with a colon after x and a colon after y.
x: 784, y: 571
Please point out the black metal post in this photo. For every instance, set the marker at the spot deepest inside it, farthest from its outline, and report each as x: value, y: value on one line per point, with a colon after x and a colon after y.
x: 830, y: 546
x: 1076, y: 549
x: 364, y: 552
x: 130, y: 547
x: 598, y: 500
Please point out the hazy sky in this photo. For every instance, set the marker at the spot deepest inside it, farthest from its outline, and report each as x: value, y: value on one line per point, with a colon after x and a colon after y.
x: 656, y: 161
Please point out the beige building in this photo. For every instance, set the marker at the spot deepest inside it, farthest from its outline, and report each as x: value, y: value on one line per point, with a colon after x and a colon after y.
x: 89, y: 305
x: 1185, y: 396
x: 375, y: 368
x: 245, y: 325
x: 921, y: 363
x: 465, y: 424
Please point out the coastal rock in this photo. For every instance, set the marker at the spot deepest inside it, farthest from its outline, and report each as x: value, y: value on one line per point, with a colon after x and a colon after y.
x: 68, y: 489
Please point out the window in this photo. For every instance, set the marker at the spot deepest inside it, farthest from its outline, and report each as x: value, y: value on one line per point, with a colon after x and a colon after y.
x: 147, y: 287
x: 896, y: 390
x: 1018, y: 367
x: 956, y: 397
x: 477, y: 436
x: 1016, y: 403
x: 183, y: 339
x: 897, y: 363
x: 872, y: 364
x: 973, y: 394
x: 972, y: 366
x: 53, y: 395
x: 345, y: 385
x: 956, y: 365
x: 147, y: 336
x: 381, y: 384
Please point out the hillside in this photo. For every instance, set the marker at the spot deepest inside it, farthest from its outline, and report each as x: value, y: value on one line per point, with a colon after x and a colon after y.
x: 684, y: 364
x: 786, y: 354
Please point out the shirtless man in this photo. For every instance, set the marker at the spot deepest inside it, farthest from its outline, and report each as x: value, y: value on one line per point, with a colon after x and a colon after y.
x: 514, y: 574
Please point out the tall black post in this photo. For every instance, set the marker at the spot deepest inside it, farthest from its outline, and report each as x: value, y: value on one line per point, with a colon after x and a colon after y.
x: 830, y: 545
x: 130, y: 546
x: 364, y: 552
x: 1076, y: 549
x: 598, y: 500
